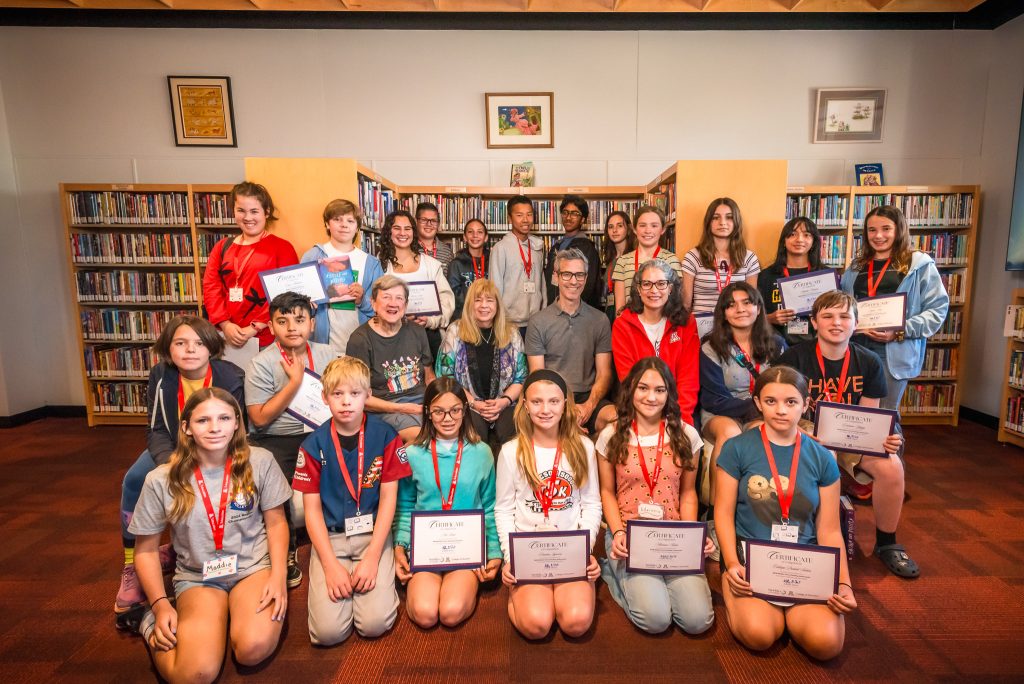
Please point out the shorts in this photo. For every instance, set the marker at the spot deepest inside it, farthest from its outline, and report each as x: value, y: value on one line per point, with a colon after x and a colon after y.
x: 225, y: 584
x: 401, y: 421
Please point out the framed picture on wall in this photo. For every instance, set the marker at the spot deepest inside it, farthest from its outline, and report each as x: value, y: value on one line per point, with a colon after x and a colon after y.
x: 202, y: 112
x: 1015, y: 242
x: 520, y: 119
x: 849, y: 115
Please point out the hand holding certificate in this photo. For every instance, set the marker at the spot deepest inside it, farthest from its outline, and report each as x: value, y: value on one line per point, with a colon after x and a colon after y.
x: 796, y: 573
x: 705, y: 322
x: 424, y: 299
x: 303, y: 279
x: 799, y: 292
x: 882, y: 313
x: 447, y: 540
x: 663, y: 547
x: 858, y: 429
x: 549, y: 557
x: 308, y: 404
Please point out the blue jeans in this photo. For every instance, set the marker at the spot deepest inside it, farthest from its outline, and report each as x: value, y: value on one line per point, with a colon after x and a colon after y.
x: 131, y: 489
x: 894, y: 388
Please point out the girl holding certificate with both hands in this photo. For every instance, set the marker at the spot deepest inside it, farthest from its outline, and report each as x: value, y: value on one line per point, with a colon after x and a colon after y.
x: 774, y: 483
x: 547, y: 481
x: 452, y: 470
x: 648, y: 471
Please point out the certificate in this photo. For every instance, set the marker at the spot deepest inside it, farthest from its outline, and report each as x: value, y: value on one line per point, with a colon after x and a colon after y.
x: 799, y: 292
x: 884, y: 312
x: 549, y: 557
x: 447, y: 540
x: 705, y: 322
x: 303, y: 279
x: 424, y: 299
x: 665, y: 547
x: 308, y: 404
x: 797, y: 573
x: 859, y: 429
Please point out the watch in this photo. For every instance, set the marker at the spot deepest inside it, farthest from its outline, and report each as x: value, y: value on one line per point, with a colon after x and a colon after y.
x: 900, y: 336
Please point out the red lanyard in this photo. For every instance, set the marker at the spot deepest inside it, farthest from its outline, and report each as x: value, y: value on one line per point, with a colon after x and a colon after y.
x: 528, y: 257
x: 354, y: 491
x: 245, y: 261
x: 652, y: 480
x: 824, y: 378
x: 181, y: 386
x: 785, y: 498
x: 785, y: 270
x: 216, y: 520
x: 748, y: 364
x: 873, y: 286
x: 611, y: 270
x: 482, y: 273
x: 446, y: 505
x: 636, y: 258
x: 433, y: 252
x: 547, y: 495
x: 728, y: 276
x: 288, y: 357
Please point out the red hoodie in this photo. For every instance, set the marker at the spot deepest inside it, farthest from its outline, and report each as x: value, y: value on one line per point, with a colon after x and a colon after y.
x: 680, y: 349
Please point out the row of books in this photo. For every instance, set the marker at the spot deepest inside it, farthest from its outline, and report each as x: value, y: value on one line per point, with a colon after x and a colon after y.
x: 940, y: 362
x: 144, y: 208
x: 1015, y: 413
x: 375, y: 201
x: 207, y: 241
x: 112, y: 325
x: 118, y: 362
x: 119, y: 397
x: 135, y: 286
x: 1016, y: 376
x: 825, y: 210
x: 455, y: 211
x: 664, y: 198
x: 213, y: 209
x: 131, y: 248
x: 954, y: 209
x: 947, y: 249
x: 956, y: 286
x: 928, y: 399
x: 951, y: 328
x: 833, y: 250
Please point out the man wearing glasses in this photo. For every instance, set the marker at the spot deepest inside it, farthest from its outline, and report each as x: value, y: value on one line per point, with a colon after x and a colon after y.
x: 574, y: 339
x: 427, y: 224
x: 574, y: 214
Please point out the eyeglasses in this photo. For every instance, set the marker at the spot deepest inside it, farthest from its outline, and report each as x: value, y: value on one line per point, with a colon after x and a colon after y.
x: 428, y: 222
x: 569, y: 276
x: 648, y: 285
x: 439, y: 413
x: 572, y: 213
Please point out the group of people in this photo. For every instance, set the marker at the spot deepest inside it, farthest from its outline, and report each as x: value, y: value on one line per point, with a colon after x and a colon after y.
x: 583, y: 371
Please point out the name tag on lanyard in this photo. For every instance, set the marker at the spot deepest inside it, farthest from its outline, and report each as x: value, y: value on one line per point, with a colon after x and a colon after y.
x: 220, y: 566
x: 786, y: 533
x: 359, y: 524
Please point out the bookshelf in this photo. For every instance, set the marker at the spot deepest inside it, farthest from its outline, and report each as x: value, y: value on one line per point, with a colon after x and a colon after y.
x: 1011, y: 423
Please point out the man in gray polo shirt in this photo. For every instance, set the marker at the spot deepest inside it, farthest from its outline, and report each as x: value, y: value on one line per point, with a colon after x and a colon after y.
x: 575, y: 339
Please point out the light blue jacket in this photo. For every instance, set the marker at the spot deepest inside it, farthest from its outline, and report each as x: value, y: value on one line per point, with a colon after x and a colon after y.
x: 322, y: 331
x: 927, y: 306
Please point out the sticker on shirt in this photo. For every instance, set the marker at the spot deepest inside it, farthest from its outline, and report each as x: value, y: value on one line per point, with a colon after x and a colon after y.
x: 563, y: 489
x: 402, y: 373
x: 220, y: 566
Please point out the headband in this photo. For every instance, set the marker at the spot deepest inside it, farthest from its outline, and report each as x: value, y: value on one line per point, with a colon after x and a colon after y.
x: 548, y: 375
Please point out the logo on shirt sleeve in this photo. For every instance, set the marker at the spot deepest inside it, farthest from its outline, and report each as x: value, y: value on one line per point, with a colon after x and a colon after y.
x: 300, y: 462
x: 403, y: 457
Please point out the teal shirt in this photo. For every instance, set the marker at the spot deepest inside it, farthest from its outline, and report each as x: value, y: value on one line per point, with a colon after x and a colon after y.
x: 475, y: 488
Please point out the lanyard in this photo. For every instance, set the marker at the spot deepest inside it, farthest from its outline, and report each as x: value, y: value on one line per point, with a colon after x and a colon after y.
x: 652, y: 480
x: 611, y: 270
x: 181, y: 387
x: 752, y: 368
x: 245, y: 261
x: 482, y: 273
x: 785, y: 270
x: 636, y: 258
x: 288, y: 357
x: 873, y: 286
x: 728, y: 276
x: 355, y: 492
x: 446, y: 505
x: 824, y: 378
x: 547, y: 495
x: 528, y: 257
x: 785, y: 498
x: 433, y: 252
x: 216, y: 520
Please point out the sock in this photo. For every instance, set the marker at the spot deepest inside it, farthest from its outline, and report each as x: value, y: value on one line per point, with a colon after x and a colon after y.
x: 884, y: 538
x: 129, y: 555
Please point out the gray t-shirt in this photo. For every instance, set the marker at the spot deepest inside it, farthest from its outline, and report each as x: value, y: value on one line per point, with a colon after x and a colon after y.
x: 396, y: 363
x: 265, y: 377
x: 244, y: 530
x: 570, y: 344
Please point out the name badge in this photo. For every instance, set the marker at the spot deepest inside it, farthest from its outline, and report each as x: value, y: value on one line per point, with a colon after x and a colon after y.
x: 545, y: 526
x: 798, y: 326
x: 786, y: 533
x: 360, y: 524
x: 529, y: 287
x: 220, y: 566
x: 650, y: 511
x: 235, y: 294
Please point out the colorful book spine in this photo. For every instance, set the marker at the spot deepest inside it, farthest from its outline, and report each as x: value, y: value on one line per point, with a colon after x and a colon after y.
x: 928, y: 399
x: 213, y: 209
x: 128, y: 208
x: 119, y: 397
x: 827, y: 211
x: 955, y: 210
x: 375, y: 201
x: 126, y: 325
x: 940, y: 362
x: 118, y: 362
x: 131, y: 248
x: 135, y: 286
x: 833, y: 250
x: 1014, y: 420
x: 951, y: 328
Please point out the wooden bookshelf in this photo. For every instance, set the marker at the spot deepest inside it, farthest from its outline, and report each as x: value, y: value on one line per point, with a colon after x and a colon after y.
x: 1010, y: 430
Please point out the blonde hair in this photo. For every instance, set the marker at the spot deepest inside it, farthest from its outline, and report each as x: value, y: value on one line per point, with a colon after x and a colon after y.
x: 346, y: 369
x: 568, y: 440
x: 469, y: 331
x: 185, y: 457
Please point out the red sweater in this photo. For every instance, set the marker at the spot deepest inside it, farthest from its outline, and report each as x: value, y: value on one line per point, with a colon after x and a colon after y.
x: 225, y: 259
x: 680, y: 349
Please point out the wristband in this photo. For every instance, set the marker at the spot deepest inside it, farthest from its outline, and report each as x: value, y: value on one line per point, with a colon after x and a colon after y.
x: 162, y: 598
x: 844, y: 584
x: 618, y: 532
x: 511, y: 401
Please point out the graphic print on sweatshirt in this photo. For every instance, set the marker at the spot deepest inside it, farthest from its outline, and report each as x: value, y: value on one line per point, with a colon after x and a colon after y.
x: 563, y: 489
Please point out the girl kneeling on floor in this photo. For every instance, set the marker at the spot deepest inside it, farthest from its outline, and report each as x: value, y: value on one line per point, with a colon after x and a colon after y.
x: 223, y: 501
x: 770, y: 481
x: 547, y: 480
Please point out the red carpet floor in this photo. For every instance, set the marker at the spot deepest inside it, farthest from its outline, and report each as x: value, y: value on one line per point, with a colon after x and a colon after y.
x: 961, y: 621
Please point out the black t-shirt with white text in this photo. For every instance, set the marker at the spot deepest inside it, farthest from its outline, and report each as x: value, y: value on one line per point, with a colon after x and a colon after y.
x: 864, y: 377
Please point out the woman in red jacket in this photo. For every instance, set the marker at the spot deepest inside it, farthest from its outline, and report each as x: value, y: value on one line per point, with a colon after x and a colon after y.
x: 232, y: 292
x: 656, y: 323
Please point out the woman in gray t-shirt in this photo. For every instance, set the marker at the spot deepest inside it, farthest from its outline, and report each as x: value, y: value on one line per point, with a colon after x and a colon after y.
x: 223, y: 503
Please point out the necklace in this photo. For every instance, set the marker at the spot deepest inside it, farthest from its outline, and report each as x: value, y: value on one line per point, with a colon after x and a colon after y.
x: 488, y: 339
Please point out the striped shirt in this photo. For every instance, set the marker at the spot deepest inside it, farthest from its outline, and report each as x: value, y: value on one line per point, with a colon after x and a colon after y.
x: 625, y: 267
x: 705, y: 285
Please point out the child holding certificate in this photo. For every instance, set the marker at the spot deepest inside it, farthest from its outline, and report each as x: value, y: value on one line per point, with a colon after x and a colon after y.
x: 647, y: 468
x: 452, y: 470
x: 774, y: 483
x: 799, y: 252
x: 719, y: 259
x: 222, y: 501
x: 348, y: 472
x: 547, y: 481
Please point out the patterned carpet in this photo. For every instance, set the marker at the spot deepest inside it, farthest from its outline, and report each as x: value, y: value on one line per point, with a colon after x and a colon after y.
x: 961, y: 621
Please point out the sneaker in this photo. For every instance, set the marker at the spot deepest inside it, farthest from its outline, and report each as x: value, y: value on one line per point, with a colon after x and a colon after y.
x: 716, y: 555
x: 294, y: 573
x: 129, y: 594
x: 168, y: 558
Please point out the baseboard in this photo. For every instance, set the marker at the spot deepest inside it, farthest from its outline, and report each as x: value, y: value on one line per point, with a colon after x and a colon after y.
x: 979, y: 417
x: 40, y: 413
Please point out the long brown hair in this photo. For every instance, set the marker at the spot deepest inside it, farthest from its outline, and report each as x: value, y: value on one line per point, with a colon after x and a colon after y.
x: 765, y: 347
x: 737, y: 246
x: 618, y: 445
x: 185, y: 457
x: 568, y: 440
x: 901, y: 251
x: 608, y: 247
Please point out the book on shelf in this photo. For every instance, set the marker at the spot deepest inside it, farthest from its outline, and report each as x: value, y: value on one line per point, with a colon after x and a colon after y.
x: 827, y: 211
x: 135, y: 286
x: 947, y: 249
x: 1014, y: 420
x: 212, y: 209
x: 375, y: 201
x: 119, y: 397
x: 127, y: 325
x: 1016, y: 375
x: 1013, y: 323
x: 118, y: 362
x: 928, y: 399
x: 522, y: 175
x: 869, y: 174
x: 951, y: 328
x: 940, y: 362
x: 940, y: 210
x: 128, y: 208
x: 833, y: 250
x: 664, y: 198
x: 131, y: 248
x: 956, y: 284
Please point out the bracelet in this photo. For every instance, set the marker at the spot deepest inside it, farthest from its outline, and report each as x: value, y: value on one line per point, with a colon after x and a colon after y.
x: 618, y: 532
x: 511, y: 401
x: 162, y: 598
x: 844, y: 584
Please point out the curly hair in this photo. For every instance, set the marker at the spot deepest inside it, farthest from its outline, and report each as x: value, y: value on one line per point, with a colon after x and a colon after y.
x: 675, y: 311
x: 386, y: 250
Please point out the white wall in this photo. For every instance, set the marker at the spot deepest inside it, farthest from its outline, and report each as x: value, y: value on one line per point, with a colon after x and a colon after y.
x: 92, y: 105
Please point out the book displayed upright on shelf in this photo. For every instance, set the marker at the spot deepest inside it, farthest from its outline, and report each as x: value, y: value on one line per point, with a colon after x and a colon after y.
x: 869, y: 174
x: 522, y: 175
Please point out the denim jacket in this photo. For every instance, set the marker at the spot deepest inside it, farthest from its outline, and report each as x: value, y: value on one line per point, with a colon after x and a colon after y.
x: 927, y: 305
x: 322, y: 331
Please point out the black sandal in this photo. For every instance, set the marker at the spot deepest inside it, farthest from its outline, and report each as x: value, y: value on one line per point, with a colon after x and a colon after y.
x: 898, y: 561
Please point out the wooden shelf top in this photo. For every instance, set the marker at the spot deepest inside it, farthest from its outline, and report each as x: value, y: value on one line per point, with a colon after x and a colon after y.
x: 495, y: 191
x: 374, y: 176
x: 913, y: 189
x: 124, y: 187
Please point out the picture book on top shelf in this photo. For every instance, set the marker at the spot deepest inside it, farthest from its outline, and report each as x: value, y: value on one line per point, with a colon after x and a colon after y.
x: 869, y: 174
x: 522, y: 175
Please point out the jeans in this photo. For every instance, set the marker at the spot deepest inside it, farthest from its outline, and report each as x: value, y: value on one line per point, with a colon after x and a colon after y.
x: 131, y: 489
